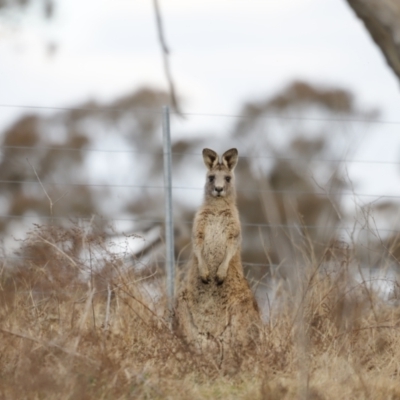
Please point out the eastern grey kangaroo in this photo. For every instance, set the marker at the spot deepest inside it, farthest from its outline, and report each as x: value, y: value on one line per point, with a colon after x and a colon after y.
x: 216, y: 310
x: 216, y: 230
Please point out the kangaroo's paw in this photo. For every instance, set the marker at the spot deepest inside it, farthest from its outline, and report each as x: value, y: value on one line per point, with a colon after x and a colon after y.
x: 204, y: 273
x: 222, y: 272
x: 220, y: 277
x: 205, y: 276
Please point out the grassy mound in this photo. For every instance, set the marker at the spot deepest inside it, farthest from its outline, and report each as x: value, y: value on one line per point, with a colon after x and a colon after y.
x: 77, y: 322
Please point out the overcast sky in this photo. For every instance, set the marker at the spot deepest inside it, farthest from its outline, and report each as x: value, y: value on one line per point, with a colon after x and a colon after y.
x: 224, y: 52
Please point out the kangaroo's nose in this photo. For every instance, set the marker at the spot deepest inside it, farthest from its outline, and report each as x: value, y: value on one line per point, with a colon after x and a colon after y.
x: 219, y: 189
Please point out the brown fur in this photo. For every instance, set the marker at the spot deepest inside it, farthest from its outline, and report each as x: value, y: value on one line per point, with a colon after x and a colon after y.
x: 215, y: 310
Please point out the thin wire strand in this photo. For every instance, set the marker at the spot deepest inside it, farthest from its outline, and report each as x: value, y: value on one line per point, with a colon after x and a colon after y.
x: 217, y: 115
x: 161, y: 221
x: 161, y: 187
x: 24, y: 258
x: 121, y: 151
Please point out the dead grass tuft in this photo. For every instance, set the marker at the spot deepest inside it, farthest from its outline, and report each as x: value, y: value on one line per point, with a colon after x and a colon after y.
x: 76, y: 321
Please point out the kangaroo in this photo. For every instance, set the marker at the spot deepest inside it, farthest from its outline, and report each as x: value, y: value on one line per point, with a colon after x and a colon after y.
x: 216, y: 230
x: 215, y: 310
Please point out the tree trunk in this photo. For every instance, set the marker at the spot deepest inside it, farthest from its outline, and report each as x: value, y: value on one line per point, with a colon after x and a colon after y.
x: 382, y: 19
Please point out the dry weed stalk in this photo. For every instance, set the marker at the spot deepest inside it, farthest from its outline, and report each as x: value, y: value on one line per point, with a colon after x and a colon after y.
x: 341, y: 335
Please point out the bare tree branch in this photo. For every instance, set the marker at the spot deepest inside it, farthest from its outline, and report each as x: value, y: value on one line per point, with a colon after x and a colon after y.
x: 165, y: 54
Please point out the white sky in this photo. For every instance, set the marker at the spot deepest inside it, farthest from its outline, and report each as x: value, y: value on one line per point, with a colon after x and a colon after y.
x: 224, y: 52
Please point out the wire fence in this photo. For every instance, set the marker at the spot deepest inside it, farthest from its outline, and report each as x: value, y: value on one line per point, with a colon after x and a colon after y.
x: 326, y: 193
x: 126, y: 258
x: 160, y: 188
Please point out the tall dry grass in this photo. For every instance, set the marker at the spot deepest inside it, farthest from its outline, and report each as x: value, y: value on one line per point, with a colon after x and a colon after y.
x: 77, y: 322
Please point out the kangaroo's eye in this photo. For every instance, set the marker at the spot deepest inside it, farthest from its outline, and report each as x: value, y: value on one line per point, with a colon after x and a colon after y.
x: 211, y: 178
x: 228, y: 178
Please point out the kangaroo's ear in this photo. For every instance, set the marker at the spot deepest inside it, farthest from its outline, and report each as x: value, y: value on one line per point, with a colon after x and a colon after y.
x: 230, y: 158
x: 210, y: 158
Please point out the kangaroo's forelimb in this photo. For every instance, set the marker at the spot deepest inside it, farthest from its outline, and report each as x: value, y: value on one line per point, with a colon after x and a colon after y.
x: 232, y: 247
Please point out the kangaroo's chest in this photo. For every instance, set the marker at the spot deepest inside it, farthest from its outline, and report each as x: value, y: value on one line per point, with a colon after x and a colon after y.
x: 218, y: 228
x: 218, y: 225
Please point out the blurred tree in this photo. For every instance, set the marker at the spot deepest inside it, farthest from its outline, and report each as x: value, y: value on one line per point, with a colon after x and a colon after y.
x: 381, y: 18
x: 295, y: 142
x: 53, y: 150
x: 19, y: 5
x: 13, y: 15
x: 291, y: 147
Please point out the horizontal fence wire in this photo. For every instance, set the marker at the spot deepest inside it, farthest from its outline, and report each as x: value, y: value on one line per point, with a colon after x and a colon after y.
x: 162, y: 187
x: 180, y: 154
x: 124, y: 258
x: 131, y: 260
x: 101, y: 109
x: 161, y: 221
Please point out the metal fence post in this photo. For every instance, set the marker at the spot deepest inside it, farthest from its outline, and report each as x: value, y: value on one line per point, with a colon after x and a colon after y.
x: 169, y: 222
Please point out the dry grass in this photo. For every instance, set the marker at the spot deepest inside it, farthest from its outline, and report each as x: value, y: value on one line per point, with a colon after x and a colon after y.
x: 331, y: 338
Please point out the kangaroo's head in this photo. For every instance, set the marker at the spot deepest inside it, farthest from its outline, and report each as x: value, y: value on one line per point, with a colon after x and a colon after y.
x: 220, y: 181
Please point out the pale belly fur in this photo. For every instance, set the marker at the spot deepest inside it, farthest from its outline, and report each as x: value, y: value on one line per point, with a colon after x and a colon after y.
x: 214, y: 245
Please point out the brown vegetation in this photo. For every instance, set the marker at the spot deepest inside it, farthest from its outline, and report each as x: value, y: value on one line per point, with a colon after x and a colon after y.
x: 70, y: 329
x: 78, y: 321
